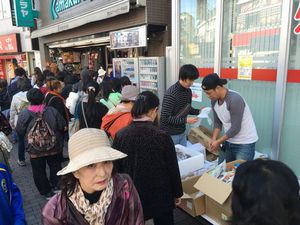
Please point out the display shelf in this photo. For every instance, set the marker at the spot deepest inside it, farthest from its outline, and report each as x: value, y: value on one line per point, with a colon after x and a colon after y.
x: 148, y: 88
x: 150, y: 66
x: 152, y: 74
x: 148, y: 80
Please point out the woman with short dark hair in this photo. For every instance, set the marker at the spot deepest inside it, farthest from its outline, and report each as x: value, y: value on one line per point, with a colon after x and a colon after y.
x: 265, y: 192
x: 151, y: 161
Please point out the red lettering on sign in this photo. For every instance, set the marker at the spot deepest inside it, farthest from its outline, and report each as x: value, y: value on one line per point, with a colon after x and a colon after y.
x: 297, y: 17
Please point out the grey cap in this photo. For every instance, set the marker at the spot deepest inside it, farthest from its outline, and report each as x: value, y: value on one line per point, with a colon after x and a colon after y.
x: 129, y: 93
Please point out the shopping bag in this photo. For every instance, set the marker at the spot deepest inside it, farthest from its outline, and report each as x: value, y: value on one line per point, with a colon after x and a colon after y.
x: 73, y: 126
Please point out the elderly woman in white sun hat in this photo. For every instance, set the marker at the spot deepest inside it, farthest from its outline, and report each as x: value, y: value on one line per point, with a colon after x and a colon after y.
x: 91, y: 192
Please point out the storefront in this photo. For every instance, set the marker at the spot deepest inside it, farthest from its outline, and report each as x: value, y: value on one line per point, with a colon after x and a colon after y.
x: 77, y: 32
x: 256, y: 46
x: 11, y: 56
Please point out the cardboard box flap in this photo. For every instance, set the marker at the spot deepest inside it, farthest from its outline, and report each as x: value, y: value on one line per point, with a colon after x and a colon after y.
x: 214, y: 188
x: 186, y: 196
x: 188, y: 185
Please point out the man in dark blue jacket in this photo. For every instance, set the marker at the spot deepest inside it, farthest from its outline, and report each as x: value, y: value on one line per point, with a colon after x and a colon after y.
x: 11, y: 203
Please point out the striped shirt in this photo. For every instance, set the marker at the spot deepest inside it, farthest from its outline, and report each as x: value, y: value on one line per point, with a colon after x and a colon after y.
x: 176, y: 107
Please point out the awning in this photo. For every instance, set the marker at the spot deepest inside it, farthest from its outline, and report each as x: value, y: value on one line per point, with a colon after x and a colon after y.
x: 78, y: 43
x: 99, y: 14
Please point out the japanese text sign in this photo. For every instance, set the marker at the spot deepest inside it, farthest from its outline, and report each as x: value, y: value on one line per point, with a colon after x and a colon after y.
x: 24, y: 15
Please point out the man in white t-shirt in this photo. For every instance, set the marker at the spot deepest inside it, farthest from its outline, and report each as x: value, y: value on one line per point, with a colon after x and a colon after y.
x: 231, y: 112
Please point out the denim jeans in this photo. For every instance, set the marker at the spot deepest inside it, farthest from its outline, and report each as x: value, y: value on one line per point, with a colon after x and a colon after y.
x: 231, y: 152
x: 179, y: 139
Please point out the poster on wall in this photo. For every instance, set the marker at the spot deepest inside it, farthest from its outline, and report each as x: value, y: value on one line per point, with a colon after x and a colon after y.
x: 129, y: 69
x: 117, y: 67
x: 9, y: 70
x: 2, y: 71
x: 129, y: 38
x: 196, y: 92
x: 245, y: 67
x: 9, y: 43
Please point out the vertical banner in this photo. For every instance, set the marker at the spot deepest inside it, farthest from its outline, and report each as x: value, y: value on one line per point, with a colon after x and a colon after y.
x: 245, y: 67
x: 2, y: 70
x: 23, y: 12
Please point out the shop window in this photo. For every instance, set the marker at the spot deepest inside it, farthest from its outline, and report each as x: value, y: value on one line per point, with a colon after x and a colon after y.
x: 197, y: 33
x: 289, y: 149
x: 251, y: 34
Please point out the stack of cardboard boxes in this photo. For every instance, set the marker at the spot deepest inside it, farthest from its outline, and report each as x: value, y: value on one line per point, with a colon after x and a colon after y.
x: 206, y: 194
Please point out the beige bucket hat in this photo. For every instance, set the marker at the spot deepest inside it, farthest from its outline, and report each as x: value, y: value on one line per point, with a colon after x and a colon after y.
x: 88, y: 146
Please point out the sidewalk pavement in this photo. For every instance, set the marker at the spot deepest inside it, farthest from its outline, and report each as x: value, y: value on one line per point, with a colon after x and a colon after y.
x: 33, y: 202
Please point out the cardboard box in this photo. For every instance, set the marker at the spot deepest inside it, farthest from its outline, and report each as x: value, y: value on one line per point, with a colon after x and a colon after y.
x: 195, y: 160
x: 218, y: 195
x: 192, y: 201
x: 219, y: 213
x: 201, y: 135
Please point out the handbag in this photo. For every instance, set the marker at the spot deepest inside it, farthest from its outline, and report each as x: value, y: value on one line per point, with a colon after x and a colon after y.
x: 4, y: 125
x: 74, y: 123
x: 73, y: 126
x: 5, y: 149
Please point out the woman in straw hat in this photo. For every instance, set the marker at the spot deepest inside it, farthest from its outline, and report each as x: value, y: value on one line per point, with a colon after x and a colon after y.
x: 91, y: 192
x: 151, y: 161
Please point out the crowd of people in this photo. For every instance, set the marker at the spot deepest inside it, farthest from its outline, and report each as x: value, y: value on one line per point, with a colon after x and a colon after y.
x: 122, y: 166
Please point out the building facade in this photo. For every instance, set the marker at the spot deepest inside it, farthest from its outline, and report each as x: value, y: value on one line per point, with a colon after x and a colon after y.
x: 255, y: 44
x: 16, y: 46
x: 78, y: 31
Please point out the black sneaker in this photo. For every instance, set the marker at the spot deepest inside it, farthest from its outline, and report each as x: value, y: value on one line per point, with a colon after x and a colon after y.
x: 49, y: 195
x: 21, y: 163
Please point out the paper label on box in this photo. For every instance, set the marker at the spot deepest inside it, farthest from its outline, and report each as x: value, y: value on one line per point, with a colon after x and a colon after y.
x: 189, y: 205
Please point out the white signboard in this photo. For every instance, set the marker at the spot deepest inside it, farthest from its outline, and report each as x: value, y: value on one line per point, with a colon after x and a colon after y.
x: 129, y: 38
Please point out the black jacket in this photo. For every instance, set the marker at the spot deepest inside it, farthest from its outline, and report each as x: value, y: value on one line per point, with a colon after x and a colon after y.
x: 92, y: 121
x: 5, y: 99
x: 58, y: 104
x: 152, y: 164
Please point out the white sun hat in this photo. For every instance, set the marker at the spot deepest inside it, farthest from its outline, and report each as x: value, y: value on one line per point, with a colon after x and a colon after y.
x: 88, y: 146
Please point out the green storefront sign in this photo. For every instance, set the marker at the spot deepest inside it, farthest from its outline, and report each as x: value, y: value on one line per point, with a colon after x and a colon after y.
x: 58, y: 6
x: 24, y: 13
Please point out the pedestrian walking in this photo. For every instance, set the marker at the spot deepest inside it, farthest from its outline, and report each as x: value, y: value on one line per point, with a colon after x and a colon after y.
x: 42, y: 127
x: 120, y: 116
x: 18, y: 104
x: 91, y: 112
x: 91, y: 192
x: 151, y: 161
